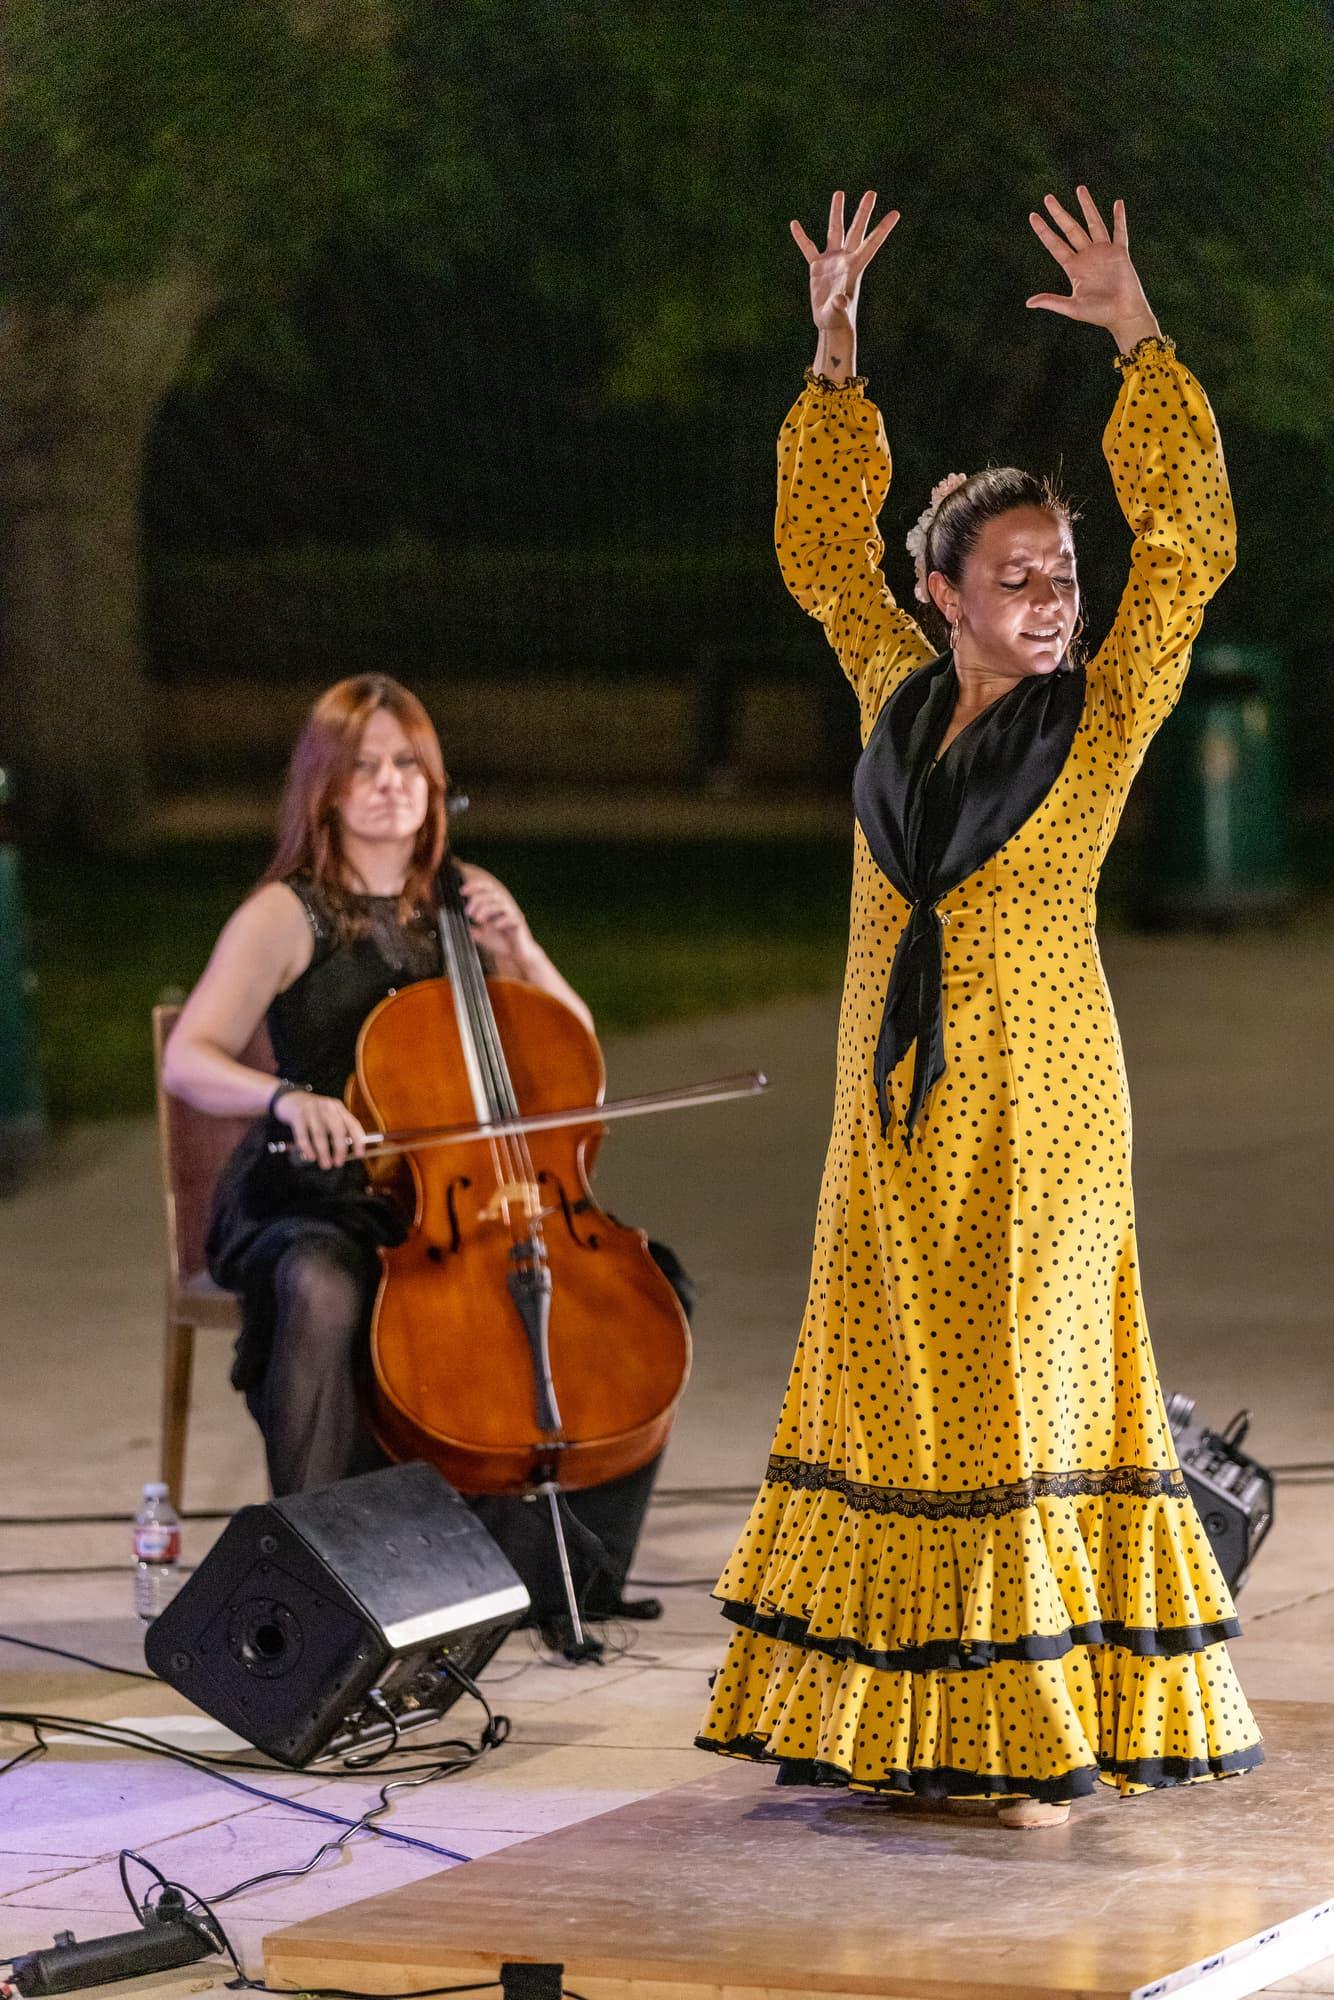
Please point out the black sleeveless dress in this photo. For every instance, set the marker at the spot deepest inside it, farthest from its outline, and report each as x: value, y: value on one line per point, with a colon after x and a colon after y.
x: 265, y: 1202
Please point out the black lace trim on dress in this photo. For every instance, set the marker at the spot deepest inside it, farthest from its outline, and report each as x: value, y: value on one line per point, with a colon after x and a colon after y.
x: 316, y: 916
x: 412, y: 947
x: 946, y: 1781
x: 1162, y: 1642
x: 1152, y: 343
x: 817, y: 381
x: 976, y: 1503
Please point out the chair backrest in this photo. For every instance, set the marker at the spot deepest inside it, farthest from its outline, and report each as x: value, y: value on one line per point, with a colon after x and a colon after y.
x: 194, y: 1147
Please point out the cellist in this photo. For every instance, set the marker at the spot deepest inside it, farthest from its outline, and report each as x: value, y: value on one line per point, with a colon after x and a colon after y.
x: 345, y: 915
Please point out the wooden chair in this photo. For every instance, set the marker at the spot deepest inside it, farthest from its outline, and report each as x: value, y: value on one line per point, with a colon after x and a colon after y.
x: 194, y: 1147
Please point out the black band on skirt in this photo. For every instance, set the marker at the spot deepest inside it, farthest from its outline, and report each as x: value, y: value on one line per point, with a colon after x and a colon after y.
x: 957, y: 1655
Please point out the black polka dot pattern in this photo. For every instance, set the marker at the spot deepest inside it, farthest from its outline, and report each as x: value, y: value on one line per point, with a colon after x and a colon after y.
x: 974, y: 1567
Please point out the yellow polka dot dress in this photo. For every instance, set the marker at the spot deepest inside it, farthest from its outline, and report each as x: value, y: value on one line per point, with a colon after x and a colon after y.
x: 973, y: 1567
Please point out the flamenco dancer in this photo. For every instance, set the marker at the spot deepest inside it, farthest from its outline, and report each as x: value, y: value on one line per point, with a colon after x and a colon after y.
x: 974, y: 1568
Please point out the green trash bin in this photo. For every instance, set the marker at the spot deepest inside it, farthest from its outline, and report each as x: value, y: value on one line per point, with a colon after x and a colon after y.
x: 22, y: 1116
x: 1218, y: 849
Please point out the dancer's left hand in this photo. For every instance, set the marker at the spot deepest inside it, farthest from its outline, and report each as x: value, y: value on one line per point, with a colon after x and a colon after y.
x: 1104, y: 285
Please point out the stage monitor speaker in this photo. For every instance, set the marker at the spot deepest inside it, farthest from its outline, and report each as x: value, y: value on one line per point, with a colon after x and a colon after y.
x: 329, y: 1621
x: 1233, y: 1494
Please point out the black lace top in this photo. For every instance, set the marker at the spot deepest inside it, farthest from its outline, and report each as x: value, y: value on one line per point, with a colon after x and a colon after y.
x: 314, y: 1024
x: 266, y: 1201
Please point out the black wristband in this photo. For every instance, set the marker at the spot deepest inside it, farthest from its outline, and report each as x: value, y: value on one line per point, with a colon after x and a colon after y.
x: 284, y: 1085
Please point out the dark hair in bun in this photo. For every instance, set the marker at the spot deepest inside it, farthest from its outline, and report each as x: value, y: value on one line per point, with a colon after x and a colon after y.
x: 961, y: 516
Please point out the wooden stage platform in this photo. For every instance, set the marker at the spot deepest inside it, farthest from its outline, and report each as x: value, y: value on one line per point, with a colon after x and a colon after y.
x: 728, y: 1888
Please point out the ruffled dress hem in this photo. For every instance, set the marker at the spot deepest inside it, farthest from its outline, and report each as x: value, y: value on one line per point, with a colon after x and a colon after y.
x: 1034, y: 1651
x: 1128, y: 1773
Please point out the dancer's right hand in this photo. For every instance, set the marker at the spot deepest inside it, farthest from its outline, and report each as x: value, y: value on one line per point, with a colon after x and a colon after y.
x: 836, y: 271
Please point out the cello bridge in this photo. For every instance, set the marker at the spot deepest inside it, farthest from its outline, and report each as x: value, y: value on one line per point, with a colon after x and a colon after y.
x: 516, y: 1201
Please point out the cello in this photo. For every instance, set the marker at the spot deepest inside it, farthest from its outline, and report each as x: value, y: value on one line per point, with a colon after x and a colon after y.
x: 523, y: 1341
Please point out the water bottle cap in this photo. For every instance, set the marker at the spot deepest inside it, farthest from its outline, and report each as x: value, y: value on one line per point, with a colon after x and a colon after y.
x: 155, y: 1489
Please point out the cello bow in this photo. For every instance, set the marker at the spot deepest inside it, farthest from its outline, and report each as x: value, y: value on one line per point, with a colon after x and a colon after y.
x: 713, y: 1090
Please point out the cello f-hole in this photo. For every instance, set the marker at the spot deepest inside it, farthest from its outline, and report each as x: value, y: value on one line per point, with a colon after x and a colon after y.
x: 568, y: 1209
x: 452, y: 1208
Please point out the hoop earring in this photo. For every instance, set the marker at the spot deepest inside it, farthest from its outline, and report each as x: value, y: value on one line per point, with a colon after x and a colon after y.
x: 955, y: 629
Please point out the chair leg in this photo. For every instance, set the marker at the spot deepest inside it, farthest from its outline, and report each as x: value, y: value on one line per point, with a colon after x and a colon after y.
x: 178, y: 1366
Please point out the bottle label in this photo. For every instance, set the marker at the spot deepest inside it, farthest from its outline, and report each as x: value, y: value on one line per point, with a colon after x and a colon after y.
x: 156, y: 1542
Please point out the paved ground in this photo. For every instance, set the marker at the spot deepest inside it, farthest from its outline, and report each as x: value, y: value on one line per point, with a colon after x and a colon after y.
x: 1227, y: 1043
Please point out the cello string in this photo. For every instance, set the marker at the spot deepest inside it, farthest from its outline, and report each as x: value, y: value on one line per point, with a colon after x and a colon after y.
x: 488, y: 1037
x: 507, y: 1161
x: 491, y: 1032
x: 524, y: 1218
x: 493, y: 1051
x: 459, y: 949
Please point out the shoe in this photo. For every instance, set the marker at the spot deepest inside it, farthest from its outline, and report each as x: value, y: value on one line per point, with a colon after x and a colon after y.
x: 558, y: 1634
x: 642, y: 1609
x: 1031, y: 1814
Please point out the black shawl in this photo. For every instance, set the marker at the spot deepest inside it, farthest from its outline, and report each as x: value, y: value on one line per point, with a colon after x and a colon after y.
x: 929, y: 824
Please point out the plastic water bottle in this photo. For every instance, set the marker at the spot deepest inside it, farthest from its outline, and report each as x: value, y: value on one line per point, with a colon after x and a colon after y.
x: 157, y: 1552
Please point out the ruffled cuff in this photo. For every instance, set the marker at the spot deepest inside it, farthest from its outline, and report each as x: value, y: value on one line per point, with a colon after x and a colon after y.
x: 825, y: 382
x: 1152, y: 343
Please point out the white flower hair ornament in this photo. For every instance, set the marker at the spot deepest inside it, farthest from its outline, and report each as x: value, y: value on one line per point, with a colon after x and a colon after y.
x: 915, y: 540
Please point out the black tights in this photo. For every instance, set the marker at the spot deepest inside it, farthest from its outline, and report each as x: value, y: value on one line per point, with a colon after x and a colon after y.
x: 308, y: 1402
x: 309, y: 1405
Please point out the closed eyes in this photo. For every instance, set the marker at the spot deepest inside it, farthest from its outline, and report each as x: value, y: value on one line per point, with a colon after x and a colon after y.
x: 366, y: 767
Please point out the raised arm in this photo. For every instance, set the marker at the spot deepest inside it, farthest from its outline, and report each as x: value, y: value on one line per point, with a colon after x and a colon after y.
x: 1166, y: 462
x: 833, y: 475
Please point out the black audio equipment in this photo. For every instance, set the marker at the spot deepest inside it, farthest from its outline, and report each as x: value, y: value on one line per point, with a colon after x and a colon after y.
x: 169, y: 1936
x: 1233, y: 1494
x: 329, y: 1622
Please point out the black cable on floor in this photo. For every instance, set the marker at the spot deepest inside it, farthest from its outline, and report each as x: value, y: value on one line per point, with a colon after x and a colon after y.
x: 673, y: 1493
x: 118, y: 1737
x: 67, y: 1569
x: 496, y: 1730
x: 105, y: 1520
x: 366, y: 1824
x: 344, y: 1993
x: 82, y: 1659
x: 215, y: 1925
x: 671, y: 1582
x: 37, y: 1748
